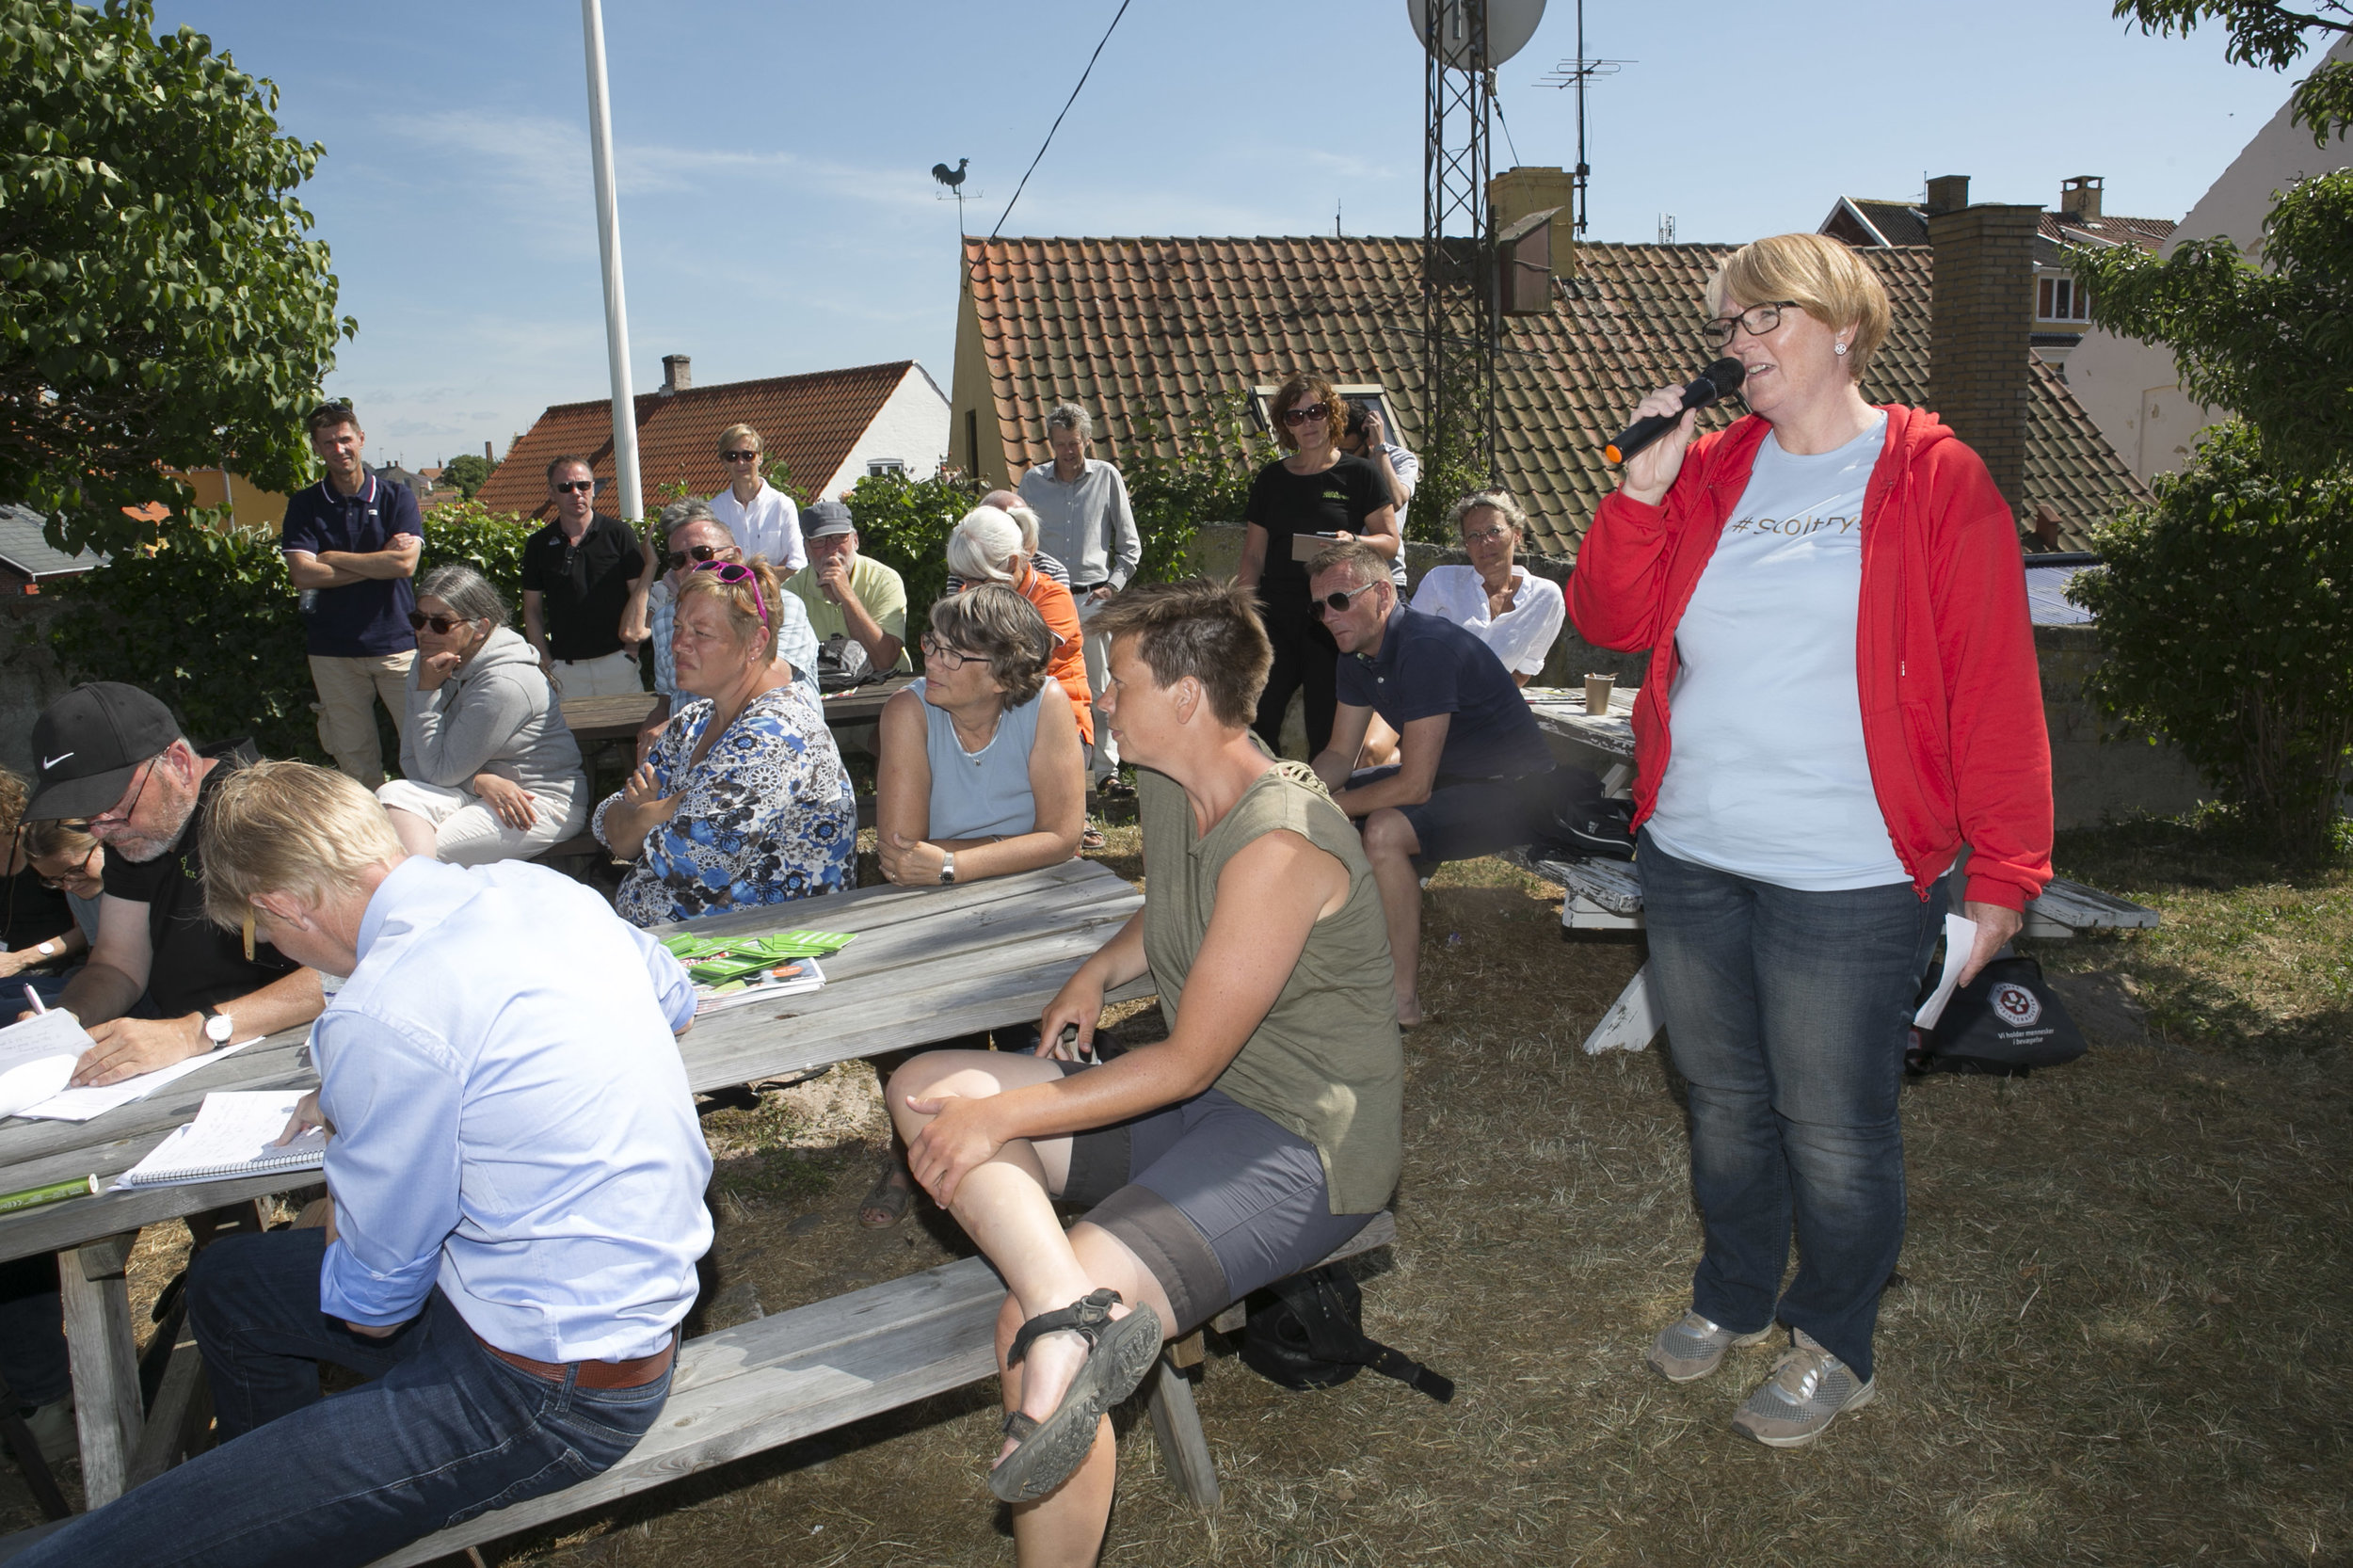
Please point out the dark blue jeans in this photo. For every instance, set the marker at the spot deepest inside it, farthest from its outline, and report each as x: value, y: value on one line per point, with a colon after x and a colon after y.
x: 1786, y: 1014
x: 444, y: 1432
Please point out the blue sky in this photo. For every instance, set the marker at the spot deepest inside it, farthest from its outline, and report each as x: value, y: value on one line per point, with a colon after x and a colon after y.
x: 779, y: 214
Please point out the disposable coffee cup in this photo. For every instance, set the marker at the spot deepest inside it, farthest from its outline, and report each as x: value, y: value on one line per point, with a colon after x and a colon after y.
x: 1597, y: 694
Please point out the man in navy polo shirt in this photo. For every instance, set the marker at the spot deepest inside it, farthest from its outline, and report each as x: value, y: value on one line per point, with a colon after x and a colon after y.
x: 353, y: 538
x: 1473, y: 774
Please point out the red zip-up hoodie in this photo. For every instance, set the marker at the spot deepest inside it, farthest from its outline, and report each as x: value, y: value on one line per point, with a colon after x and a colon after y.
x: 1945, y: 664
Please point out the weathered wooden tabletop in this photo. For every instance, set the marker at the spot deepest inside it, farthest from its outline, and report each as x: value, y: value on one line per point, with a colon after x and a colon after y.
x: 620, y: 717
x: 1561, y: 711
x: 929, y: 963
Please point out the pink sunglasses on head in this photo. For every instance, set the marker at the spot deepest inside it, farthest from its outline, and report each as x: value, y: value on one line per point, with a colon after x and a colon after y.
x: 732, y: 572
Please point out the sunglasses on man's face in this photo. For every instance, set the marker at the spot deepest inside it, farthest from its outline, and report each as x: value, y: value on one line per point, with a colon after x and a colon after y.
x: 678, y: 558
x: 442, y: 625
x: 578, y: 487
x: 1313, y: 412
x: 739, y: 457
x: 1333, y: 604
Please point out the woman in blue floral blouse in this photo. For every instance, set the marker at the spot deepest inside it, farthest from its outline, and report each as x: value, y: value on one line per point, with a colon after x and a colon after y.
x: 742, y: 800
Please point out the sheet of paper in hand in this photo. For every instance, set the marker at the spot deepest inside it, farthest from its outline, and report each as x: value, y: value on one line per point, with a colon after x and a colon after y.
x: 37, y: 1057
x: 234, y: 1134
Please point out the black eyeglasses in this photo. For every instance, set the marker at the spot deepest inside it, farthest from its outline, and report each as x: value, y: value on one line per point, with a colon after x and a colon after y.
x: 442, y: 625
x: 581, y: 487
x: 1310, y: 412
x: 81, y: 870
x: 678, y: 558
x: 739, y: 457
x: 110, y: 818
x: 949, y: 657
x: 1332, y: 604
x: 1755, y: 321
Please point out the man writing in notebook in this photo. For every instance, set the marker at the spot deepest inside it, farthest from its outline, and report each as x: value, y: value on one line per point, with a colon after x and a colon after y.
x: 516, y: 1178
x: 163, y: 983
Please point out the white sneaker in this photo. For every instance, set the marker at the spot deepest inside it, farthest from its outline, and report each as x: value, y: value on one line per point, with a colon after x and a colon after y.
x: 1808, y: 1390
x: 1691, y: 1347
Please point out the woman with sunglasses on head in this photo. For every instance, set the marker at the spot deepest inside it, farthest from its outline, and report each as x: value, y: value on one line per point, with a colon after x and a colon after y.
x: 691, y: 534
x: 491, y: 772
x: 742, y: 800
x: 1320, y: 494
x: 1835, y: 606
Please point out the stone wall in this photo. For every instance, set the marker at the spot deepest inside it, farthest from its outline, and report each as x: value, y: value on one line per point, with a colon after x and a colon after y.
x: 2093, y: 779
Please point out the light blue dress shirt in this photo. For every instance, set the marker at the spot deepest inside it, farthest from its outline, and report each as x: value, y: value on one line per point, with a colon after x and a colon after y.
x: 512, y: 1119
x: 796, y: 640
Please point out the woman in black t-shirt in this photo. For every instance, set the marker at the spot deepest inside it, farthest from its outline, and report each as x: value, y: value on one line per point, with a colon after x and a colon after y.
x: 1316, y: 491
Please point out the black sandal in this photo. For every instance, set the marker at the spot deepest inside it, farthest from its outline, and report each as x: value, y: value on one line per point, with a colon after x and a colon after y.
x: 1119, y: 1352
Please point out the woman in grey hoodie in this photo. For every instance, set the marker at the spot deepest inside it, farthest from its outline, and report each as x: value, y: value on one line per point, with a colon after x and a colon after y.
x: 492, y: 772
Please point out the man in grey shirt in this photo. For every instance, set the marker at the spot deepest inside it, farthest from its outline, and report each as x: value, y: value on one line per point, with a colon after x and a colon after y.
x: 1084, y: 521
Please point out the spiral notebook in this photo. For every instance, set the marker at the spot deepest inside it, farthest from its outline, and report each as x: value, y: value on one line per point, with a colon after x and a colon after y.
x: 230, y: 1137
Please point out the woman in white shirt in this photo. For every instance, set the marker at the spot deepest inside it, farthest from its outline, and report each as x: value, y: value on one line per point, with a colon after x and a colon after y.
x: 1500, y: 602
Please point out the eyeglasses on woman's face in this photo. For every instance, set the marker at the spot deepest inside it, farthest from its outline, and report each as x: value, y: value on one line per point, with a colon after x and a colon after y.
x: 935, y: 651
x: 1308, y: 413
x: 739, y: 457
x: 442, y: 625
x: 80, y: 871
x: 1755, y: 321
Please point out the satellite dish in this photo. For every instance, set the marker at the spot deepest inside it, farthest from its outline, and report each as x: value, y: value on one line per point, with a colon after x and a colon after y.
x: 1510, y: 24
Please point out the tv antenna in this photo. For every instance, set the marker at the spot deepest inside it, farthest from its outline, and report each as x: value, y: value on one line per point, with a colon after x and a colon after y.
x: 1461, y: 324
x: 1577, y: 74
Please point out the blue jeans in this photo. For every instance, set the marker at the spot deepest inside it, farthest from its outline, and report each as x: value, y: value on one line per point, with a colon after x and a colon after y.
x: 32, y: 1330
x: 445, y: 1432
x: 1786, y: 1014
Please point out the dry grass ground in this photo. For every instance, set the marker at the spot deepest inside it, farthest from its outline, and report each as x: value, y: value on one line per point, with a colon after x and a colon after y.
x: 2121, y: 1336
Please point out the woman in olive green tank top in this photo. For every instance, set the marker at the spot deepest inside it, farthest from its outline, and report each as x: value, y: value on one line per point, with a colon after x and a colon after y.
x: 1263, y: 1133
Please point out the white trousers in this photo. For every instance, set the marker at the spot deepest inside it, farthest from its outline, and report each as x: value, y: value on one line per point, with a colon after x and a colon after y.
x: 466, y: 832
x: 615, y: 675
x: 1097, y: 649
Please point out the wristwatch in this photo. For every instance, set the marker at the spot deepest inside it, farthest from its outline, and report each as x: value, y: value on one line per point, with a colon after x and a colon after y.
x: 217, y: 1026
x: 948, y: 867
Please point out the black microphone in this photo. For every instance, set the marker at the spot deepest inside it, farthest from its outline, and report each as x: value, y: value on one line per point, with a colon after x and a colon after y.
x: 1717, y: 379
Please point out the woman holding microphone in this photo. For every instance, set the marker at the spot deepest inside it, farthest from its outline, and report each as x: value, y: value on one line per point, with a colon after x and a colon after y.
x: 1836, y: 609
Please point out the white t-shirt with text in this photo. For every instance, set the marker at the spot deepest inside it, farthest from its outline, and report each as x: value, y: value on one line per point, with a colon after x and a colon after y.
x: 1767, y: 777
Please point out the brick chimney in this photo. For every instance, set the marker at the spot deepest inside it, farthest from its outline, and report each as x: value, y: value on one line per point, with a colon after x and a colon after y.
x: 1982, y: 315
x: 2079, y: 198
x: 1947, y: 193
x: 677, y: 374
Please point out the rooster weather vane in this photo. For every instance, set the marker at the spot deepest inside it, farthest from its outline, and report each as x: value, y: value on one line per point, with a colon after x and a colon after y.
x: 954, y: 179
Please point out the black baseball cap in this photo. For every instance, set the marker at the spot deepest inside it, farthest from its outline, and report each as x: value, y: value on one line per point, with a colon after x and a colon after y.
x: 88, y: 744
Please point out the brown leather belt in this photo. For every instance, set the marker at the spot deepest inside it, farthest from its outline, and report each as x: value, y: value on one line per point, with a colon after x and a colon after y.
x: 593, y: 1374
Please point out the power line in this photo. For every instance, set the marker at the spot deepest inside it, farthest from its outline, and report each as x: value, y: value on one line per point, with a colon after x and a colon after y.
x: 1507, y: 130
x: 1057, y: 125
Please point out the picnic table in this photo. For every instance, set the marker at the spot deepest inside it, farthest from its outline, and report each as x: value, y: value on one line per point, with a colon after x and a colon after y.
x: 1607, y: 895
x: 595, y: 720
x: 928, y: 964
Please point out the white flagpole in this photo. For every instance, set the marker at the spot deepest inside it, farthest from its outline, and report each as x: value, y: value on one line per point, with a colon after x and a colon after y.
x: 632, y: 498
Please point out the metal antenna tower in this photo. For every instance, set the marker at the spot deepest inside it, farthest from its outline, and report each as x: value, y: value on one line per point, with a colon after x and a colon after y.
x: 1459, y: 321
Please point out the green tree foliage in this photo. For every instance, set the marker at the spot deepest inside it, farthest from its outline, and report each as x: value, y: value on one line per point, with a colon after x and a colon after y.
x: 904, y: 524
x: 159, y: 301
x: 2225, y: 611
x: 1453, y: 464
x: 467, y: 473
x: 2272, y: 342
x: 1208, y: 481
x: 2265, y: 33
x: 207, y: 620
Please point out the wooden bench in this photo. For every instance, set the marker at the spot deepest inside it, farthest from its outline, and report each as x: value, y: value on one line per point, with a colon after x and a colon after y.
x: 1607, y: 895
x: 779, y: 1379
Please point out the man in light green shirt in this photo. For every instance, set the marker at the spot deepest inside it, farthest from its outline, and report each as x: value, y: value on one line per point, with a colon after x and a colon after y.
x: 848, y: 595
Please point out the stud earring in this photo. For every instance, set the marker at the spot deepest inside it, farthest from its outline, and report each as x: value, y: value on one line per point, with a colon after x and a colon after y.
x: 1838, y: 348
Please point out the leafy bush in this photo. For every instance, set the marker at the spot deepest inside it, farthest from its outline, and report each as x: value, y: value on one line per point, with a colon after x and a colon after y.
x: 2224, y: 616
x: 904, y: 524
x: 205, y: 621
x: 1207, y: 482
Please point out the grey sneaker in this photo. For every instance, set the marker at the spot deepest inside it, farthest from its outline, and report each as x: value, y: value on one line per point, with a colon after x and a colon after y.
x: 51, y: 1426
x: 1691, y: 1347
x: 1807, y: 1390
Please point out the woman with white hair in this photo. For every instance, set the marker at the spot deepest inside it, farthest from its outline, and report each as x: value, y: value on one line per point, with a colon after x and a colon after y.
x: 492, y: 772
x: 988, y: 547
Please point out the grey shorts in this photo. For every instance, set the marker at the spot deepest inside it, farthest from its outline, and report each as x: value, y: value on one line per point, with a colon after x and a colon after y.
x: 1216, y: 1199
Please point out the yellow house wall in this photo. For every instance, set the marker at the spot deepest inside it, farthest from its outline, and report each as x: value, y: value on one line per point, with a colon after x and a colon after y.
x: 254, y: 507
x: 970, y: 391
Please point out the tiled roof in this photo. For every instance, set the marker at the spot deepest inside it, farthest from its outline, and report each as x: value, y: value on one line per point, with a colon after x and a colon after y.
x: 25, y: 549
x: 812, y: 421
x: 1896, y: 222
x: 1133, y: 327
x: 2146, y: 233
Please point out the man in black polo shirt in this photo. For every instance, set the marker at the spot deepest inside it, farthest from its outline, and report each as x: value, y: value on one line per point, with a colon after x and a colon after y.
x: 113, y: 754
x: 1473, y: 772
x: 585, y: 586
x: 351, y: 543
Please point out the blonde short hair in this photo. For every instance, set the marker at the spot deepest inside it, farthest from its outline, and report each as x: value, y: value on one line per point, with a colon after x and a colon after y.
x: 752, y: 603
x: 1835, y: 286
x: 735, y: 438
x: 289, y: 827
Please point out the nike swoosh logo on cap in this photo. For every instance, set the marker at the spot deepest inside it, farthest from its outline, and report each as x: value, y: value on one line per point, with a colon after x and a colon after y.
x: 48, y: 762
